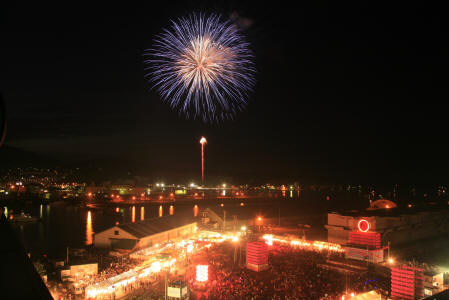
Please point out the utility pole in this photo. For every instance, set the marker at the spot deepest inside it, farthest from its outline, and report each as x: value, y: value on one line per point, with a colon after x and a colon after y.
x: 224, y: 220
x: 367, y: 256
x: 388, y: 250
x: 235, y: 253
x: 165, y: 284
x: 240, y: 256
x: 279, y: 214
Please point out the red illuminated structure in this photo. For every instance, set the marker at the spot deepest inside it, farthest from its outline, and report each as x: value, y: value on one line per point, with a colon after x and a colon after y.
x: 202, y: 142
x: 257, y: 256
x: 407, y: 282
x: 371, y: 239
x: 364, y: 244
x: 364, y: 237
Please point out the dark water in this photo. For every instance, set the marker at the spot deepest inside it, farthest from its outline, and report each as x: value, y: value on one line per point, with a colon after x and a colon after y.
x: 65, y: 225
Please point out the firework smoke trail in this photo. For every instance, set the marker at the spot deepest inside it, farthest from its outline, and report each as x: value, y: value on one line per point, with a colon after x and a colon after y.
x: 202, y: 67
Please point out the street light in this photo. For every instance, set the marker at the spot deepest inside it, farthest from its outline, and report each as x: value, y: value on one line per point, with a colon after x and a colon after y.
x: 202, y: 142
x: 259, y: 221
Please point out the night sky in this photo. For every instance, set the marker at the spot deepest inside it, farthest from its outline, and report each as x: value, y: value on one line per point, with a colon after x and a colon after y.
x: 344, y: 93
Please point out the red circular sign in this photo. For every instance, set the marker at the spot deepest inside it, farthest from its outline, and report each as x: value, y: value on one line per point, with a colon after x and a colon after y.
x: 363, y: 225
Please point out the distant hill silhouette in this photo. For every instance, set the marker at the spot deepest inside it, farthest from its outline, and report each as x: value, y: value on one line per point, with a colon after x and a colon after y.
x: 13, y: 157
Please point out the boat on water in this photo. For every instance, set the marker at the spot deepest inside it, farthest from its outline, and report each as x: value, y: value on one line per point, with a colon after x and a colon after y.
x: 23, y: 217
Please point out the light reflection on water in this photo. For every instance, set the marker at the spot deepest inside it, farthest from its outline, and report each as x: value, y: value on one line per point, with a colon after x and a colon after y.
x: 63, y: 225
x: 89, y: 230
x: 133, y: 218
x: 195, y: 210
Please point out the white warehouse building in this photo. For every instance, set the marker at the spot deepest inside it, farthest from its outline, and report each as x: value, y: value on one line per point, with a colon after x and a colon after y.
x: 143, y: 234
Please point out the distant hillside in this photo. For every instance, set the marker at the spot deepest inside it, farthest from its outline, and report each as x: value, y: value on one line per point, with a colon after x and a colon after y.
x: 12, y: 157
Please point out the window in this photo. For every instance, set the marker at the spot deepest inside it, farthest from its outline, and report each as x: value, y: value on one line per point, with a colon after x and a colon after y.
x: 115, y: 232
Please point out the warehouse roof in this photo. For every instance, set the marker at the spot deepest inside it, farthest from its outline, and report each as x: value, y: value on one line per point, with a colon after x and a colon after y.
x: 154, y: 225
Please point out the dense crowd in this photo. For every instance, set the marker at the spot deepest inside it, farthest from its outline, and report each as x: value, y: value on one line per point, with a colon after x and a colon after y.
x: 112, y: 267
x: 294, y: 273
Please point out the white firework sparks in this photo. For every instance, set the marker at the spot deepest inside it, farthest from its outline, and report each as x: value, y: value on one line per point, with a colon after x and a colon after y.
x: 202, y: 67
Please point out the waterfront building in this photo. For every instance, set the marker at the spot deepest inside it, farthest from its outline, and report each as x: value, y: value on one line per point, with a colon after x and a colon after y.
x: 143, y: 234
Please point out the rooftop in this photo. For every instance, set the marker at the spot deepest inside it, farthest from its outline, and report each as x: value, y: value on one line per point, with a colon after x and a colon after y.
x: 155, y: 225
x: 396, y: 211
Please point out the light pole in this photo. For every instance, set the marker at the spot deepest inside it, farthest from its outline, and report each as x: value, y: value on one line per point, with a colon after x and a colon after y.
x: 202, y: 142
x: 165, y: 280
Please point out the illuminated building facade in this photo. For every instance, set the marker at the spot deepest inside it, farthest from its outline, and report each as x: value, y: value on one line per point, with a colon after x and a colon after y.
x: 407, y: 283
x: 257, y: 256
x: 394, y: 225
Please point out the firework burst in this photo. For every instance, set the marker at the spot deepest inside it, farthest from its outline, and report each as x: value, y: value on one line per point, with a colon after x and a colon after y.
x: 202, y: 67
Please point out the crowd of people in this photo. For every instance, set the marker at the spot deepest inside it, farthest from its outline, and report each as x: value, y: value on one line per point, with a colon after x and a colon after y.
x: 294, y: 273
x: 112, y: 266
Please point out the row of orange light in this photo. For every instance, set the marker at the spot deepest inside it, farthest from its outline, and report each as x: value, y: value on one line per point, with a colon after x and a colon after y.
x: 201, y: 274
x: 352, y: 295
x: 241, y: 204
x: 216, y: 237
x: 93, y: 291
x: 317, y: 245
x: 142, y: 195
